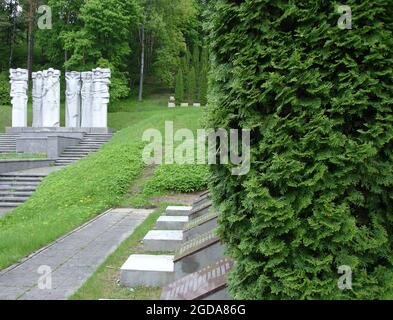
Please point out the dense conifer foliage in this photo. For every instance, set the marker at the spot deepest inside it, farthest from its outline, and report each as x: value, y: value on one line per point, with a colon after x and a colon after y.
x: 319, y: 100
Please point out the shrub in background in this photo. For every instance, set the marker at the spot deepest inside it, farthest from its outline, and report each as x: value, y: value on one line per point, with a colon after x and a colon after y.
x: 179, y: 88
x: 320, y: 191
x: 4, y: 89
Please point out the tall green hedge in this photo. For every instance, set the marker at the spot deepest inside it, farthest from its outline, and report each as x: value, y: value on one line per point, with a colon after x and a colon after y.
x: 319, y: 102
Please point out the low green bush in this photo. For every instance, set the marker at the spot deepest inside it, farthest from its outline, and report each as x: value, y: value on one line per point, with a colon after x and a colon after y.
x: 178, y: 178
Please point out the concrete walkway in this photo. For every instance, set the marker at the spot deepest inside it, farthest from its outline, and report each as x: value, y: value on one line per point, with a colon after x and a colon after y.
x: 71, y: 259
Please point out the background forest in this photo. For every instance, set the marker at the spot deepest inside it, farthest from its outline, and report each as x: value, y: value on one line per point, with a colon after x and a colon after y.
x: 146, y: 43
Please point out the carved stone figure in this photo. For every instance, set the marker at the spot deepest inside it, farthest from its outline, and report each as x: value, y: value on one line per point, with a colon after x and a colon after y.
x: 51, y: 99
x: 38, y: 92
x: 101, y: 96
x: 73, y: 104
x: 87, y: 99
x: 19, y: 85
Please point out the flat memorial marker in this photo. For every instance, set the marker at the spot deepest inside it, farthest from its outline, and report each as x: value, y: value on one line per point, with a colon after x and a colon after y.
x: 197, y: 253
x: 162, y: 240
x: 207, y: 192
x: 147, y: 270
x: 201, y: 199
x: 208, y: 283
x: 171, y: 222
x: 201, y: 220
x: 178, y: 210
x: 201, y: 224
x: 200, y: 209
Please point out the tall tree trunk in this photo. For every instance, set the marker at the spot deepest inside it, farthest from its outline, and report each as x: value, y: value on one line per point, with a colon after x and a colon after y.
x: 30, y: 40
x: 65, y: 50
x: 13, y: 34
x: 142, y: 72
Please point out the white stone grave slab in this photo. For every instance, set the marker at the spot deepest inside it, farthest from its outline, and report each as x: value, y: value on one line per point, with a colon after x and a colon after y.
x: 147, y: 271
x: 162, y: 240
x: 178, y: 210
x: 171, y: 222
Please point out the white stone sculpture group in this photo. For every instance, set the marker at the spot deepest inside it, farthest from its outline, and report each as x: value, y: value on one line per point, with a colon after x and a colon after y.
x: 87, y: 98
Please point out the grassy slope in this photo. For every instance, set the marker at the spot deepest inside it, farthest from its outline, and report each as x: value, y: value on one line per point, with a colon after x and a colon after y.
x: 68, y: 198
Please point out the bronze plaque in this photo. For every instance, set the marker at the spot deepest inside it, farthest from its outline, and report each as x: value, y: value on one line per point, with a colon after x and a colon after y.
x: 201, y: 284
x: 200, y: 207
x: 212, y: 214
x: 196, y: 244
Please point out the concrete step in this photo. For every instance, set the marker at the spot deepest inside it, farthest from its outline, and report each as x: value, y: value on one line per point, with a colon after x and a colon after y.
x: 24, y: 175
x: 63, y: 157
x: 142, y: 270
x: 9, y: 205
x: 81, y: 149
x: 16, y: 195
x: 69, y: 156
x: 65, y: 160
x: 20, y: 179
x: 17, y: 188
x: 162, y: 240
x: 19, y: 183
x: 13, y: 199
x: 90, y: 144
x: 76, y: 152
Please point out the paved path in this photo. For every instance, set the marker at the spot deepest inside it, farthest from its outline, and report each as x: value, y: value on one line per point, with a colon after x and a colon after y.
x: 72, y: 258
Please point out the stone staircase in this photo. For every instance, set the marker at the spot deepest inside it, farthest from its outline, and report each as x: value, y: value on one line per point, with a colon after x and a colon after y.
x: 90, y: 143
x: 8, y: 143
x: 17, y: 188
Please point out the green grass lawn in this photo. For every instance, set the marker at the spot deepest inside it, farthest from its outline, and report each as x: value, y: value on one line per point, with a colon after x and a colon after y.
x: 70, y: 197
x: 6, y: 116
